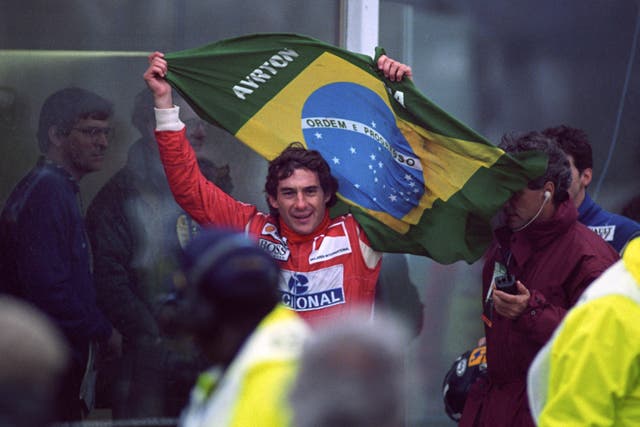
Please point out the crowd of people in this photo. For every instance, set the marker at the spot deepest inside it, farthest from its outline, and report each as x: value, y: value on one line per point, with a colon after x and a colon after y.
x: 174, y: 299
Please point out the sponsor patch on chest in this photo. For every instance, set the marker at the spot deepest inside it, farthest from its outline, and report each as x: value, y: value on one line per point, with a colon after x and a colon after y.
x: 312, y: 290
x: 276, y: 246
x: 607, y: 232
x: 334, y: 243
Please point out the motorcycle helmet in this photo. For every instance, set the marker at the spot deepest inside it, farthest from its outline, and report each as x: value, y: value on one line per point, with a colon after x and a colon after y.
x: 466, y: 369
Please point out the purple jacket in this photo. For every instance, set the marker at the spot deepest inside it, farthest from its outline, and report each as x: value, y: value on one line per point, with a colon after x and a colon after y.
x: 556, y: 260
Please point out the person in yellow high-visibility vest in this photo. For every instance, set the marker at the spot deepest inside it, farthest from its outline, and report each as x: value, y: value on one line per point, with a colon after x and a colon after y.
x: 589, y: 372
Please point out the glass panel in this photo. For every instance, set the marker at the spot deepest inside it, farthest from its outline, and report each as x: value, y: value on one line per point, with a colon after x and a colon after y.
x: 103, y: 46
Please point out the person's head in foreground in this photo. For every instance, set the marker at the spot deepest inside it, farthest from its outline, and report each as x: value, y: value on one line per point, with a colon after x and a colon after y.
x: 352, y: 373
x: 34, y: 359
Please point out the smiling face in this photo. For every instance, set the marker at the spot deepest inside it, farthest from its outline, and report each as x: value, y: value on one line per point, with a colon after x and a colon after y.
x: 300, y: 201
x: 82, y: 148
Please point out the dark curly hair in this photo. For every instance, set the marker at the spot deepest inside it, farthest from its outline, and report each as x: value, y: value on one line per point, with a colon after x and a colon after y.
x: 296, y: 156
x: 574, y: 142
x: 558, y: 167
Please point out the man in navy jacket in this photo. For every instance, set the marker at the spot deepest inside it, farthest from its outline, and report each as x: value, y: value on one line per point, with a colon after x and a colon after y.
x: 46, y: 257
x: 617, y: 230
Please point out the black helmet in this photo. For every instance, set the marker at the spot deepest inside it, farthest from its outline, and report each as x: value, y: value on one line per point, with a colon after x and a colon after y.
x: 467, y: 368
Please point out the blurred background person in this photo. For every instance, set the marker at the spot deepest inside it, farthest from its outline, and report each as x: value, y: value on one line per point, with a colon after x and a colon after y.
x: 228, y: 299
x: 352, y: 373
x: 137, y: 232
x: 615, y: 229
x: 34, y: 359
x: 46, y: 256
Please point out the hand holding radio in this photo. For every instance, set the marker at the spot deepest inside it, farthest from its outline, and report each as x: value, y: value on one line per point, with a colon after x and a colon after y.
x: 509, y: 305
x: 506, y: 283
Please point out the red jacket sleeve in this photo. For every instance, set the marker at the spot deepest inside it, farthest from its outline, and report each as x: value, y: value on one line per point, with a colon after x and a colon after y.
x: 199, y: 197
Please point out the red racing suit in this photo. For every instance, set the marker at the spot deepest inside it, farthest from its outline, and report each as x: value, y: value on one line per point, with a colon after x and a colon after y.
x: 324, y: 274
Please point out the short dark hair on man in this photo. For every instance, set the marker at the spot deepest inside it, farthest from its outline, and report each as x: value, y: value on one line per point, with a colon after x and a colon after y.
x: 65, y: 107
x: 558, y: 167
x: 296, y: 156
x: 574, y: 142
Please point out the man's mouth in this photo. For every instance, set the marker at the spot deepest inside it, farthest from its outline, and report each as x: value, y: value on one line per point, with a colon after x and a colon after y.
x: 303, y: 217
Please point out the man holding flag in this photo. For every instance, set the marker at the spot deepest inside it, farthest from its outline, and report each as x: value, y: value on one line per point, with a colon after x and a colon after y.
x: 412, y: 178
x: 328, y: 266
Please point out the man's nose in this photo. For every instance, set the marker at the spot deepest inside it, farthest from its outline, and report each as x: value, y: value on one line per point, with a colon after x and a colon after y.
x: 301, y: 201
x: 102, y: 140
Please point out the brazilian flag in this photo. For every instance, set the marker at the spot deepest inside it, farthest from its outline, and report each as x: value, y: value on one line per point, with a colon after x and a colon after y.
x: 417, y: 180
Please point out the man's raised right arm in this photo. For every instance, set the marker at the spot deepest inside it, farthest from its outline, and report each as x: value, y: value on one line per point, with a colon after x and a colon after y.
x: 155, y: 79
x: 199, y: 197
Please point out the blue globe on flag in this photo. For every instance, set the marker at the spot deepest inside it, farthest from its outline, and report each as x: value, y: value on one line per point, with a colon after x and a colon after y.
x: 356, y: 133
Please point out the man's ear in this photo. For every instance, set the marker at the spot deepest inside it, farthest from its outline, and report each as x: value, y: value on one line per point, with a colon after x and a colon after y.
x: 55, y: 135
x: 586, y: 176
x: 549, y: 187
x: 273, y: 202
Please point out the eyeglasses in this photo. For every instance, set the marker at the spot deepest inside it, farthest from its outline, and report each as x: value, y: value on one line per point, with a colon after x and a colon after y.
x: 95, y: 132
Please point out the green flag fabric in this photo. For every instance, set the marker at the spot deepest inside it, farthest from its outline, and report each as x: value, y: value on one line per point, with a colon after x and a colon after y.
x: 417, y: 179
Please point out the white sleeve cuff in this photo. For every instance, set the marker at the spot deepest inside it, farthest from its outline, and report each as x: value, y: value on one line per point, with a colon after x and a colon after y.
x: 168, y: 119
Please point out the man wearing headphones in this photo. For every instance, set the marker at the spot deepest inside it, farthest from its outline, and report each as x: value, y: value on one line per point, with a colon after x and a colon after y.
x: 539, y: 264
x: 228, y: 300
